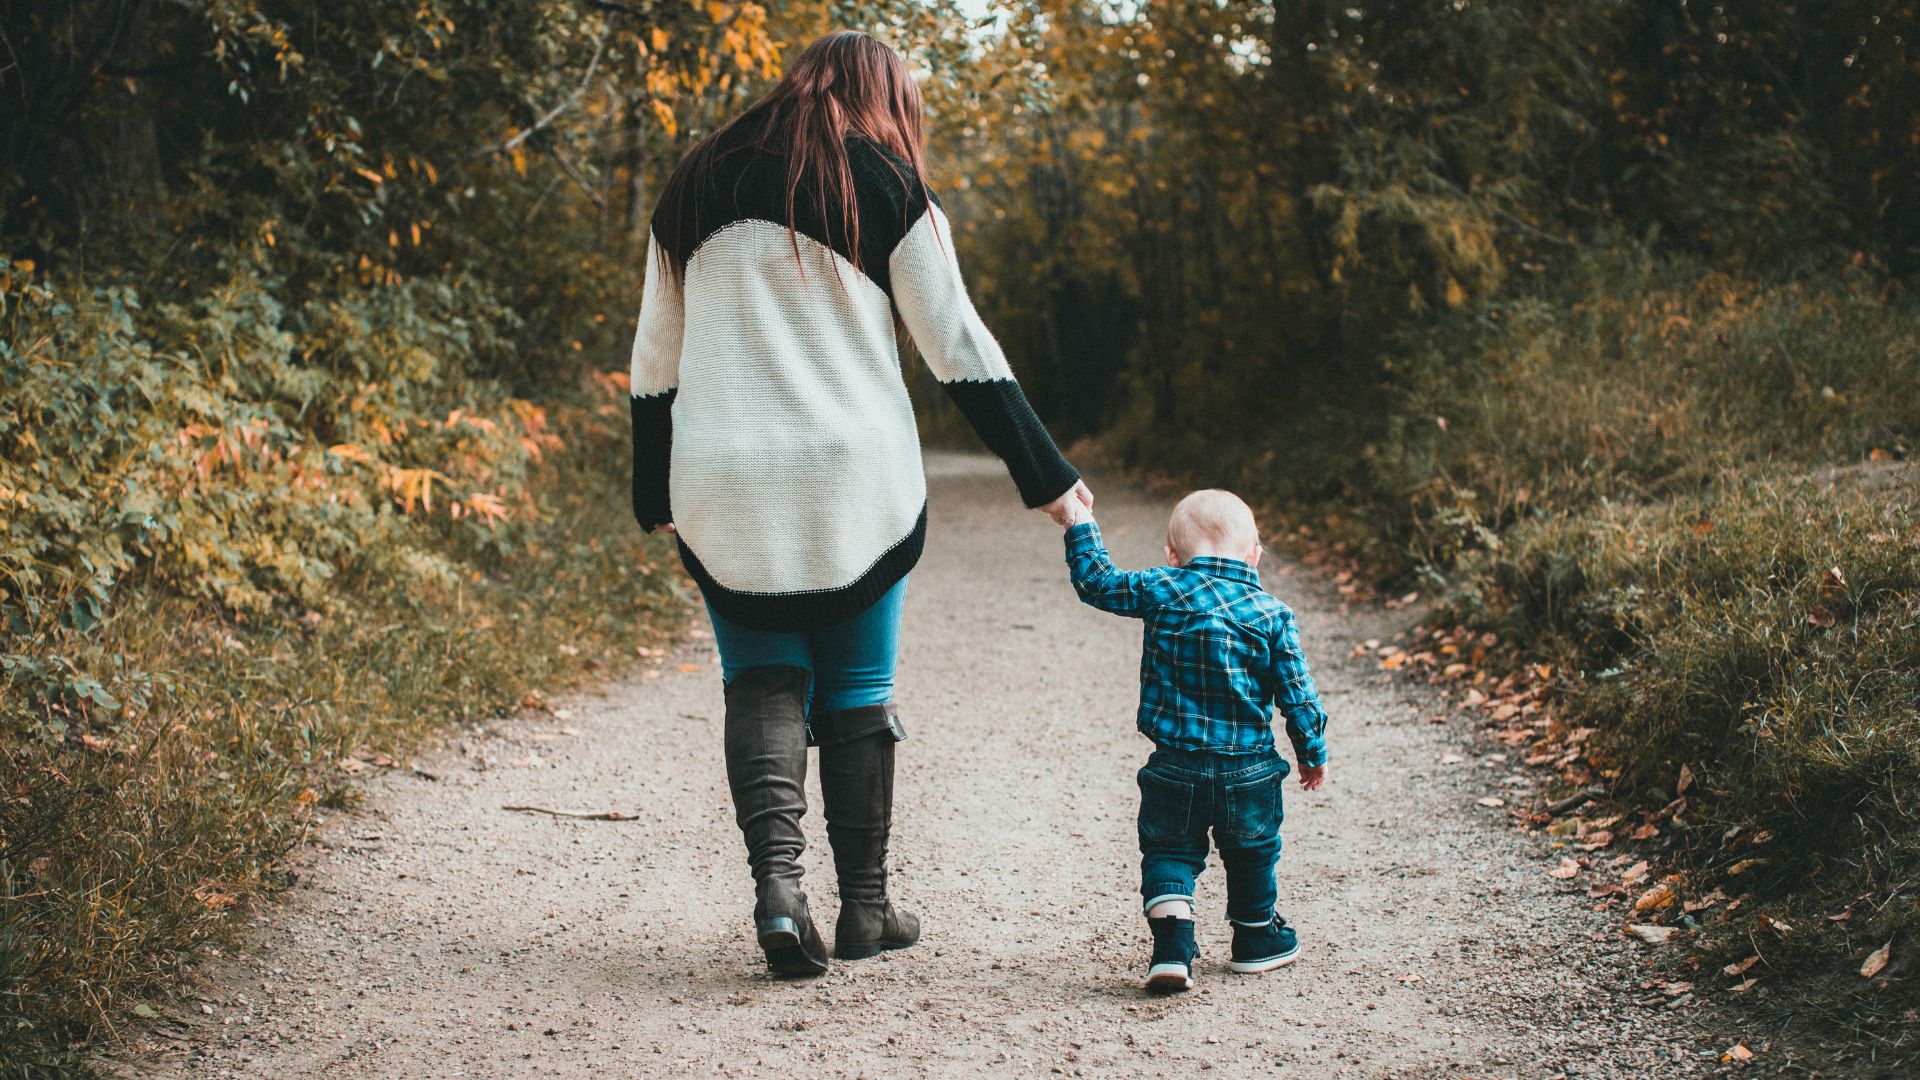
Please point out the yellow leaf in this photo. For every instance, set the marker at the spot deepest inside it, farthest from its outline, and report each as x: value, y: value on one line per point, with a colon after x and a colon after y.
x: 1455, y: 294
x: 664, y: 113
x: 372, y: 176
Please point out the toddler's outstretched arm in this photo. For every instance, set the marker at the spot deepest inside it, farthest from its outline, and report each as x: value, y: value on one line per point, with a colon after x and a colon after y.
x: 1099, y: 583
x: 1299, y: 702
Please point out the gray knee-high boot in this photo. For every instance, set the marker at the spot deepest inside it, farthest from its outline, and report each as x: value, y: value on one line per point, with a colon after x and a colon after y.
x: 766, y: 749
x: 856, y: 782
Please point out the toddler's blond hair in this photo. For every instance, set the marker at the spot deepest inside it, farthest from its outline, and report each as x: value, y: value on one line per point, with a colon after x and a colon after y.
x: 1212, y: 522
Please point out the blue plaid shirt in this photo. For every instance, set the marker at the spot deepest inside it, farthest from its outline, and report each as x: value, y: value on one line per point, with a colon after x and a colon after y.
x: 1220, y: 652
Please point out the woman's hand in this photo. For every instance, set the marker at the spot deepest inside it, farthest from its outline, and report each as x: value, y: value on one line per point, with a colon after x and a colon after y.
x: 1072, y: 507
x: 666, y: 528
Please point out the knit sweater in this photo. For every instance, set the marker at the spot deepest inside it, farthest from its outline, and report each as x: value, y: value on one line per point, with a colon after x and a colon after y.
x: 771, y: 423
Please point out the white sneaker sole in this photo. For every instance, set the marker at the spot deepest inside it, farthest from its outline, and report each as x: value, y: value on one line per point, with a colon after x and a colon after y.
x: 1169, y: 977
x: 1254, y: 967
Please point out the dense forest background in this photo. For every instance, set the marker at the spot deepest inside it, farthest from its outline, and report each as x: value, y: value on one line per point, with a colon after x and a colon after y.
x: 1589, y: 321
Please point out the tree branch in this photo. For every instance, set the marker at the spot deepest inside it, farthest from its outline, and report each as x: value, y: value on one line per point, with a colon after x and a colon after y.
x: 599, y: 49
x: 617, y: 8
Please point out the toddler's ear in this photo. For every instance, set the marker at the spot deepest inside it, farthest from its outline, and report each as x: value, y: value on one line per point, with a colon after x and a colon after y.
x: 1173, y: 557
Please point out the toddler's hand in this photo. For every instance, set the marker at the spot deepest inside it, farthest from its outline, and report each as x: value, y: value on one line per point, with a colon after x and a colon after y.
x: 1312, y: 776
x: 1074, y: 506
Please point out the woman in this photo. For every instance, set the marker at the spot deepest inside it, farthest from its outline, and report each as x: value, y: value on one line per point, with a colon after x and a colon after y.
x: 772, y: 432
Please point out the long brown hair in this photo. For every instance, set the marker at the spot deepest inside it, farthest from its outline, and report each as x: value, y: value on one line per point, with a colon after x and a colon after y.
x: 844, y: 84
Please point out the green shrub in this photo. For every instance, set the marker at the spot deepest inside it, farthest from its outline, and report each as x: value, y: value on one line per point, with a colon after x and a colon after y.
x: 241, y: 542
x: 1689, y: 494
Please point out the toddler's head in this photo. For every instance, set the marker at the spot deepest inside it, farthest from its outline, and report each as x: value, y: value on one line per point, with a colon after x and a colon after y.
x: 1212, y: 522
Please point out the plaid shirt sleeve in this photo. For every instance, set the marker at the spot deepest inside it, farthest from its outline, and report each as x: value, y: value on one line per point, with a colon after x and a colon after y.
x: 1098, y: 581
x: 1297, y: 697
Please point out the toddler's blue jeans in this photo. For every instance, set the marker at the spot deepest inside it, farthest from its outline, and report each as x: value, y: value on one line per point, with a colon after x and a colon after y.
x: 1183, y: 795
x: 852, y: 662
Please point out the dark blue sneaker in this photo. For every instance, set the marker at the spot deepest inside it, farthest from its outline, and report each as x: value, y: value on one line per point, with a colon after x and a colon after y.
x: 1263, y: 948
x: 1173, y: 955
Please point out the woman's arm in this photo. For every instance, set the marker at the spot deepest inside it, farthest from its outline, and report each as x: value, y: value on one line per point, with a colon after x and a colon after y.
x: 972, y: 369
x: 653, y: 380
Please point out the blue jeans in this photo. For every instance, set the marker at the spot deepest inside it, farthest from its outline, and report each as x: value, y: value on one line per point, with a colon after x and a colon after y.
x: 852, y: 662
x: 1184, y: 794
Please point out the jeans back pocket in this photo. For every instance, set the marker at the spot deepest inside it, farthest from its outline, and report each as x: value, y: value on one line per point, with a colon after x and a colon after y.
x: 1166, y: 807
x: 1253, y: 808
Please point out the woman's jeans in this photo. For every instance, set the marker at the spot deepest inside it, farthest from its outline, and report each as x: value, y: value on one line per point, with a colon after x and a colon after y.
x: 851, y: 662
x: 1183, y: 795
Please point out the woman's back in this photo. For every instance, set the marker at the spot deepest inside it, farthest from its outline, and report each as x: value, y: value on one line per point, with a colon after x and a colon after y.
x: 772, y: 424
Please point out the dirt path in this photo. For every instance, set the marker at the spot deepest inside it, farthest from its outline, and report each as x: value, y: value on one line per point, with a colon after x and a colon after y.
x: 438, y: 935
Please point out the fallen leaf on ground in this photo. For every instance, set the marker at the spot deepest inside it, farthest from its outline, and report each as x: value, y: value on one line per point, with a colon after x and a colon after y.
x: 1704, y: 902
x: 1776, y: 925
x: 1661, y: 895
x: 1740, y: 968
x: 1646, y: 832
x: 1743, y: 987
x: 1877, y: 961
x: 1492, y: 800
x: 1567, y: 869
x: 1634, y: 873
x: 689, y: 667
x: 1652, y: 935
x: 1739, y: 1052
x: 1685, y: 781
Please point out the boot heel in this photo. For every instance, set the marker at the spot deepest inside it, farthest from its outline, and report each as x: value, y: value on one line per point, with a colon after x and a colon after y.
x: 786, y: 951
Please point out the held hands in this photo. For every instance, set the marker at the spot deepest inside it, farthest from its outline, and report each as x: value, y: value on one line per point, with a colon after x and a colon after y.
x: 1072, y: 507
x: 1312, y: 776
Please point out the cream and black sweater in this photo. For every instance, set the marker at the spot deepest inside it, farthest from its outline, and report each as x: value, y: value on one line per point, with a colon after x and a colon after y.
x: 770, y: 419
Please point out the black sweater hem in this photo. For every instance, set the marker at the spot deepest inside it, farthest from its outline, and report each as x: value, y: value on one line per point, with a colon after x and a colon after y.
x: 802, y: 611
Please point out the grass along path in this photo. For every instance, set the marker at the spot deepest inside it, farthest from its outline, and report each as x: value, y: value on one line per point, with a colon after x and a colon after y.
x: 437, y: 934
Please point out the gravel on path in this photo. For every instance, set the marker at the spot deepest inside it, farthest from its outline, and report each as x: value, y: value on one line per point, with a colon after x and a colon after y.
x: 436, y: 934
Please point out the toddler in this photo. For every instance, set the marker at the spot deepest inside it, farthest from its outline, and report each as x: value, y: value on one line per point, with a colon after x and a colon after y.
x: 1220, y: 653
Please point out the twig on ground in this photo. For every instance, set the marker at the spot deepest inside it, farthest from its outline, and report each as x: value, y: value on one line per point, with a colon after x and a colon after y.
x: 578, y: 815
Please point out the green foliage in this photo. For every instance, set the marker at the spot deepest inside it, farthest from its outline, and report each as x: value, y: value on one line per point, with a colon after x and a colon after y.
x: 129, y: 845
x: 305, y: 445
x: 1590, y: 318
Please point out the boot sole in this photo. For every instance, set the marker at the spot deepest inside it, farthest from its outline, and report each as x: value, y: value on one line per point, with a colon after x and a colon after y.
x: 1254, y: 967
x: 1169, y: 978
x: 786, y: 955
x: 868, y: 949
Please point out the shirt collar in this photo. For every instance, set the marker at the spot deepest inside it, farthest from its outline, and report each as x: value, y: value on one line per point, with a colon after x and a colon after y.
x: 1221, y: 567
